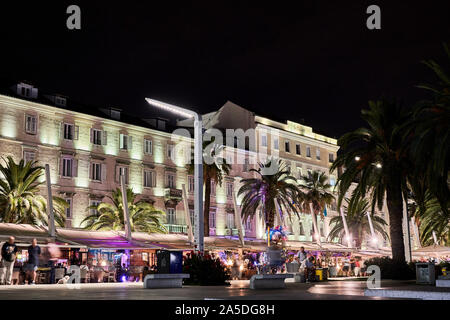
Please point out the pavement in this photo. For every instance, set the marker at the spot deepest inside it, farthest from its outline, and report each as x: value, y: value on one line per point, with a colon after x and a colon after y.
x: 238, y: 290
x: 412, y: 291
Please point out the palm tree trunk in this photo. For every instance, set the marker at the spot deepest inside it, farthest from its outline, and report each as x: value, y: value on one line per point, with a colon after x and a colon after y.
x: 395, y: 206
x: 207, y: 206
x: 270, y: 213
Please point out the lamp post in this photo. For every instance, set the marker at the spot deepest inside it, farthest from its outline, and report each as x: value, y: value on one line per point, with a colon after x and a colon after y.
x: 198, y: 166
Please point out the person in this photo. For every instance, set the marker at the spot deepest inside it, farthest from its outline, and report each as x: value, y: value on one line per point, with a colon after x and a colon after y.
x: 310, y: 270
x: 302, y: 257
x: 33, y: 261
x: 9, y: 252
x: 346, y: 267
x: 357, y: 267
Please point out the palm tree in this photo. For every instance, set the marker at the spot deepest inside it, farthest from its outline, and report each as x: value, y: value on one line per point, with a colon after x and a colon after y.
x: 431, y: 218
x: 357, y: 222
x: 19, y: 198
x: 316, y: 194
x: 267, y: 189
x: 211, y: 172
x: 110, y: 216
x: 377, y: 157
x: 430, y: 129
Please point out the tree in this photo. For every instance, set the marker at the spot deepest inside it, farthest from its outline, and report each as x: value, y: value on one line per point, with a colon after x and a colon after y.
x: 19, y: 198
x: 211, y: 172
x: 266, y: 189
x: 430, y: 131
x: 377, y: 157
x: 432, y: 218
x: 357, y: 222
x: 316, y: 194
x: 144, y: 217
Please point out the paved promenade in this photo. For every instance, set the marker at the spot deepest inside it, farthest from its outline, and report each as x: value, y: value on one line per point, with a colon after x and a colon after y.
x: 341, y: 290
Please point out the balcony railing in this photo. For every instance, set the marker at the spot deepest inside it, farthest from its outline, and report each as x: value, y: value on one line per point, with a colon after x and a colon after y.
x: 176, y: 228
x: 173, y: 194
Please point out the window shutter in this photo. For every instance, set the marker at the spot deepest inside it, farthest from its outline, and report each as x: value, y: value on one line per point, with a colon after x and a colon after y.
x: 130, y: 143
x: 121, y: 141
x: 91, y: 171
x: 61, y: 130
x: 59, y: 164
x: 104, y: 138
x: 75, y: 167
x: 76, y: 132
x: 153, y: 178
x: 92, y: 136
x: 103, y: 165
x: 116, y: 174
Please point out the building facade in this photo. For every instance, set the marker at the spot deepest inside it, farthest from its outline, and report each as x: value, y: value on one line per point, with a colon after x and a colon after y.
x: 87, y: 152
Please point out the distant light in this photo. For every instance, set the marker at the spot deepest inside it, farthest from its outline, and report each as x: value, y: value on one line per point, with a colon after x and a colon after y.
x: 316, y: 236
x: 357, y: 158
x: 374, y: 240
x: 241, y: 267
x: 348, y: 238
x: 124, y: 278
x: 378, y: 165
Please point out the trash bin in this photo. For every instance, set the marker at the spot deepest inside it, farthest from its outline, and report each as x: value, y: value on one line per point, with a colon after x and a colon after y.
x: 292, y: 267
x: 425, y: 273
x: 322, y: 274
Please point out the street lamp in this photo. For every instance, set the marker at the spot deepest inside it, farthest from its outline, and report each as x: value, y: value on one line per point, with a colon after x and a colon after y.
x: 198, y: 165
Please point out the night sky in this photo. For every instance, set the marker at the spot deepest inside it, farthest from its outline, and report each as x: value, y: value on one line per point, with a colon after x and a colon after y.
x: 314, y: 61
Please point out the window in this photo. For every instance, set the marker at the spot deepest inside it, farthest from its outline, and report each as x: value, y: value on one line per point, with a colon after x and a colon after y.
x: 264, y: 140
x: 70, y: 131
x: 192, y: 216
x: 30, y: 124
x: 309, y: 173
x: 275, y: 143
x: 212, y: 219
x: 171, y: 216
x: 332, y: 181
x: 301, y: 228
x: 246, y: 165
x: 287, y: 146
x: 148, y: 147
x: 331, y: 157
x: 229, y: 190
x: 98, y: 137
x: 69, y: 208
x: 308, y: 152
x: 29, y: 156
x: 60, y: 101
x: 94, y: 204
x: 298, y: 150
x: 317, y: 153
x: 149, y: 178
x: 96, y: 171
x: 171, y: 152
x: 191, y: 184
x: 299, y: 172
x: 67, y: 167
x: 248, y: 224
x: 213, y: 187
x: 230, y: 220
x: 122, y: 171
x: 125, y: 142
x: 171, y: 181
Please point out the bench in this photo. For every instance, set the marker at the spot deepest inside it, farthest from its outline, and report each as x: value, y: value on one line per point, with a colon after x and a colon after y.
x: 269, y: 281
x: 164, y: 280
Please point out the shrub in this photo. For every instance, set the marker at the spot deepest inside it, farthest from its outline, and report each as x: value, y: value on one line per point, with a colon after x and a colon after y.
x: 393, y: 270
x: 204, y: 270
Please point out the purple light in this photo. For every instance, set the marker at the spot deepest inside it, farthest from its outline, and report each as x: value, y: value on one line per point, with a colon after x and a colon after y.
x: 123, y: 279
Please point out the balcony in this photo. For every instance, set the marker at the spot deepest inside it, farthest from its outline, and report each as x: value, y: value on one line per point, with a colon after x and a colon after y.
x: 231, y: 232
x: 173, y: 194
x: 176, y: 228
